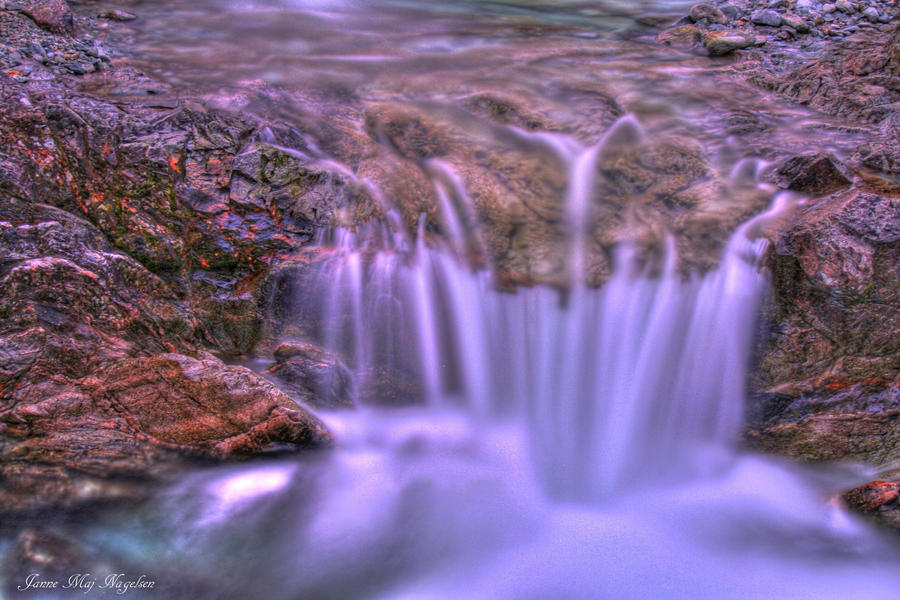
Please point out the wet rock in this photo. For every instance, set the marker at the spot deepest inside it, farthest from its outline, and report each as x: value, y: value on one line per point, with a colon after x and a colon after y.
x: 769, y: 18
x: 720, y: 44
x: 834, y: 420
x: 707, y: 13
x: 846, y: 80
x: 830, y: 370
x: 75, y: 441
x: 876, y: 500
x: 313, y: 375
x: 819, y: 173
x: 91, y: 392
x: 52, y: 15
x: 681, y: 36
x: 880, y: 156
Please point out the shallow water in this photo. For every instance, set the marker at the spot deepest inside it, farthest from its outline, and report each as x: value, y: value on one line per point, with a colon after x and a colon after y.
x: 333, y: 58
x: 417, y: 503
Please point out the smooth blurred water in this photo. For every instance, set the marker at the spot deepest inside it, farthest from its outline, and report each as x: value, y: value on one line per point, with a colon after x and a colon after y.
x: 577, y: 444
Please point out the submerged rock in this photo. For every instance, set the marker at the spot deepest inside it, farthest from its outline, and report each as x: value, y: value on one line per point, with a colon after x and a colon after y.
x: 315, y: 376
x: 683, y: 35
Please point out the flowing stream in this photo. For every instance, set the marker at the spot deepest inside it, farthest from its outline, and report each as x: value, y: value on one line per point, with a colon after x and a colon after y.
x: 567, y: 441
x: 576, y: 443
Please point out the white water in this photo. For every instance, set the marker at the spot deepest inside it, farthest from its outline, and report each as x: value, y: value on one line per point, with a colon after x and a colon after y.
x: 576, y: 444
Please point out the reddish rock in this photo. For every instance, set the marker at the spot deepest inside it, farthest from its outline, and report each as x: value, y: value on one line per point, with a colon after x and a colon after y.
x: 92, y: 400
x: 829, y: 374
x: 52, y: 15
x: 877, y: 500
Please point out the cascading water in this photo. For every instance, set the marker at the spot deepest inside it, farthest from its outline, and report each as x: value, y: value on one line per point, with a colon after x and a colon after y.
x: 576, y: 443
x: 641, y: 379
x: 552, y: 442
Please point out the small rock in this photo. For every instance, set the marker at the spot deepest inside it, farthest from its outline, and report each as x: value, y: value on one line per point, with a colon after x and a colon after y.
x: 877, y: 500
x: 118, y: 15
x: 682, y: 36
x: 721, y: 44
x: 845, y: 6
x: 766, y: 17
x: 796, y: 23
x: 709, y: 13
x: 777, y: 4
x: 829, y: 8
x: 804, y: 7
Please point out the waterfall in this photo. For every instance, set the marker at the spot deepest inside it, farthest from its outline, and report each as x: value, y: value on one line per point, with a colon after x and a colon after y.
x: 637, y: 381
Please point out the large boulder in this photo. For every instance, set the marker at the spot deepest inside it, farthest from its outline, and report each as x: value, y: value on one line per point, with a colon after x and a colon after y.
x: 93, y: 398
x: 851, y: 78
x: 829, y: 375
x: 65, y: 441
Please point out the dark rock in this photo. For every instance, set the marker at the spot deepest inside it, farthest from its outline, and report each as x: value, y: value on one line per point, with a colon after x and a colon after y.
x: 835, y: 419
x: 876, y: 500
x: 731, y: 12
x: 766, y: 17
x: 818, y: 173
x: 84, y: 404
x: 313, y: 375
x: 880, y: 156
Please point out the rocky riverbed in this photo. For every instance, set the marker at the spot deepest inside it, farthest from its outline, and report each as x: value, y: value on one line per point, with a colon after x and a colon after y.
x: 146, y: 225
